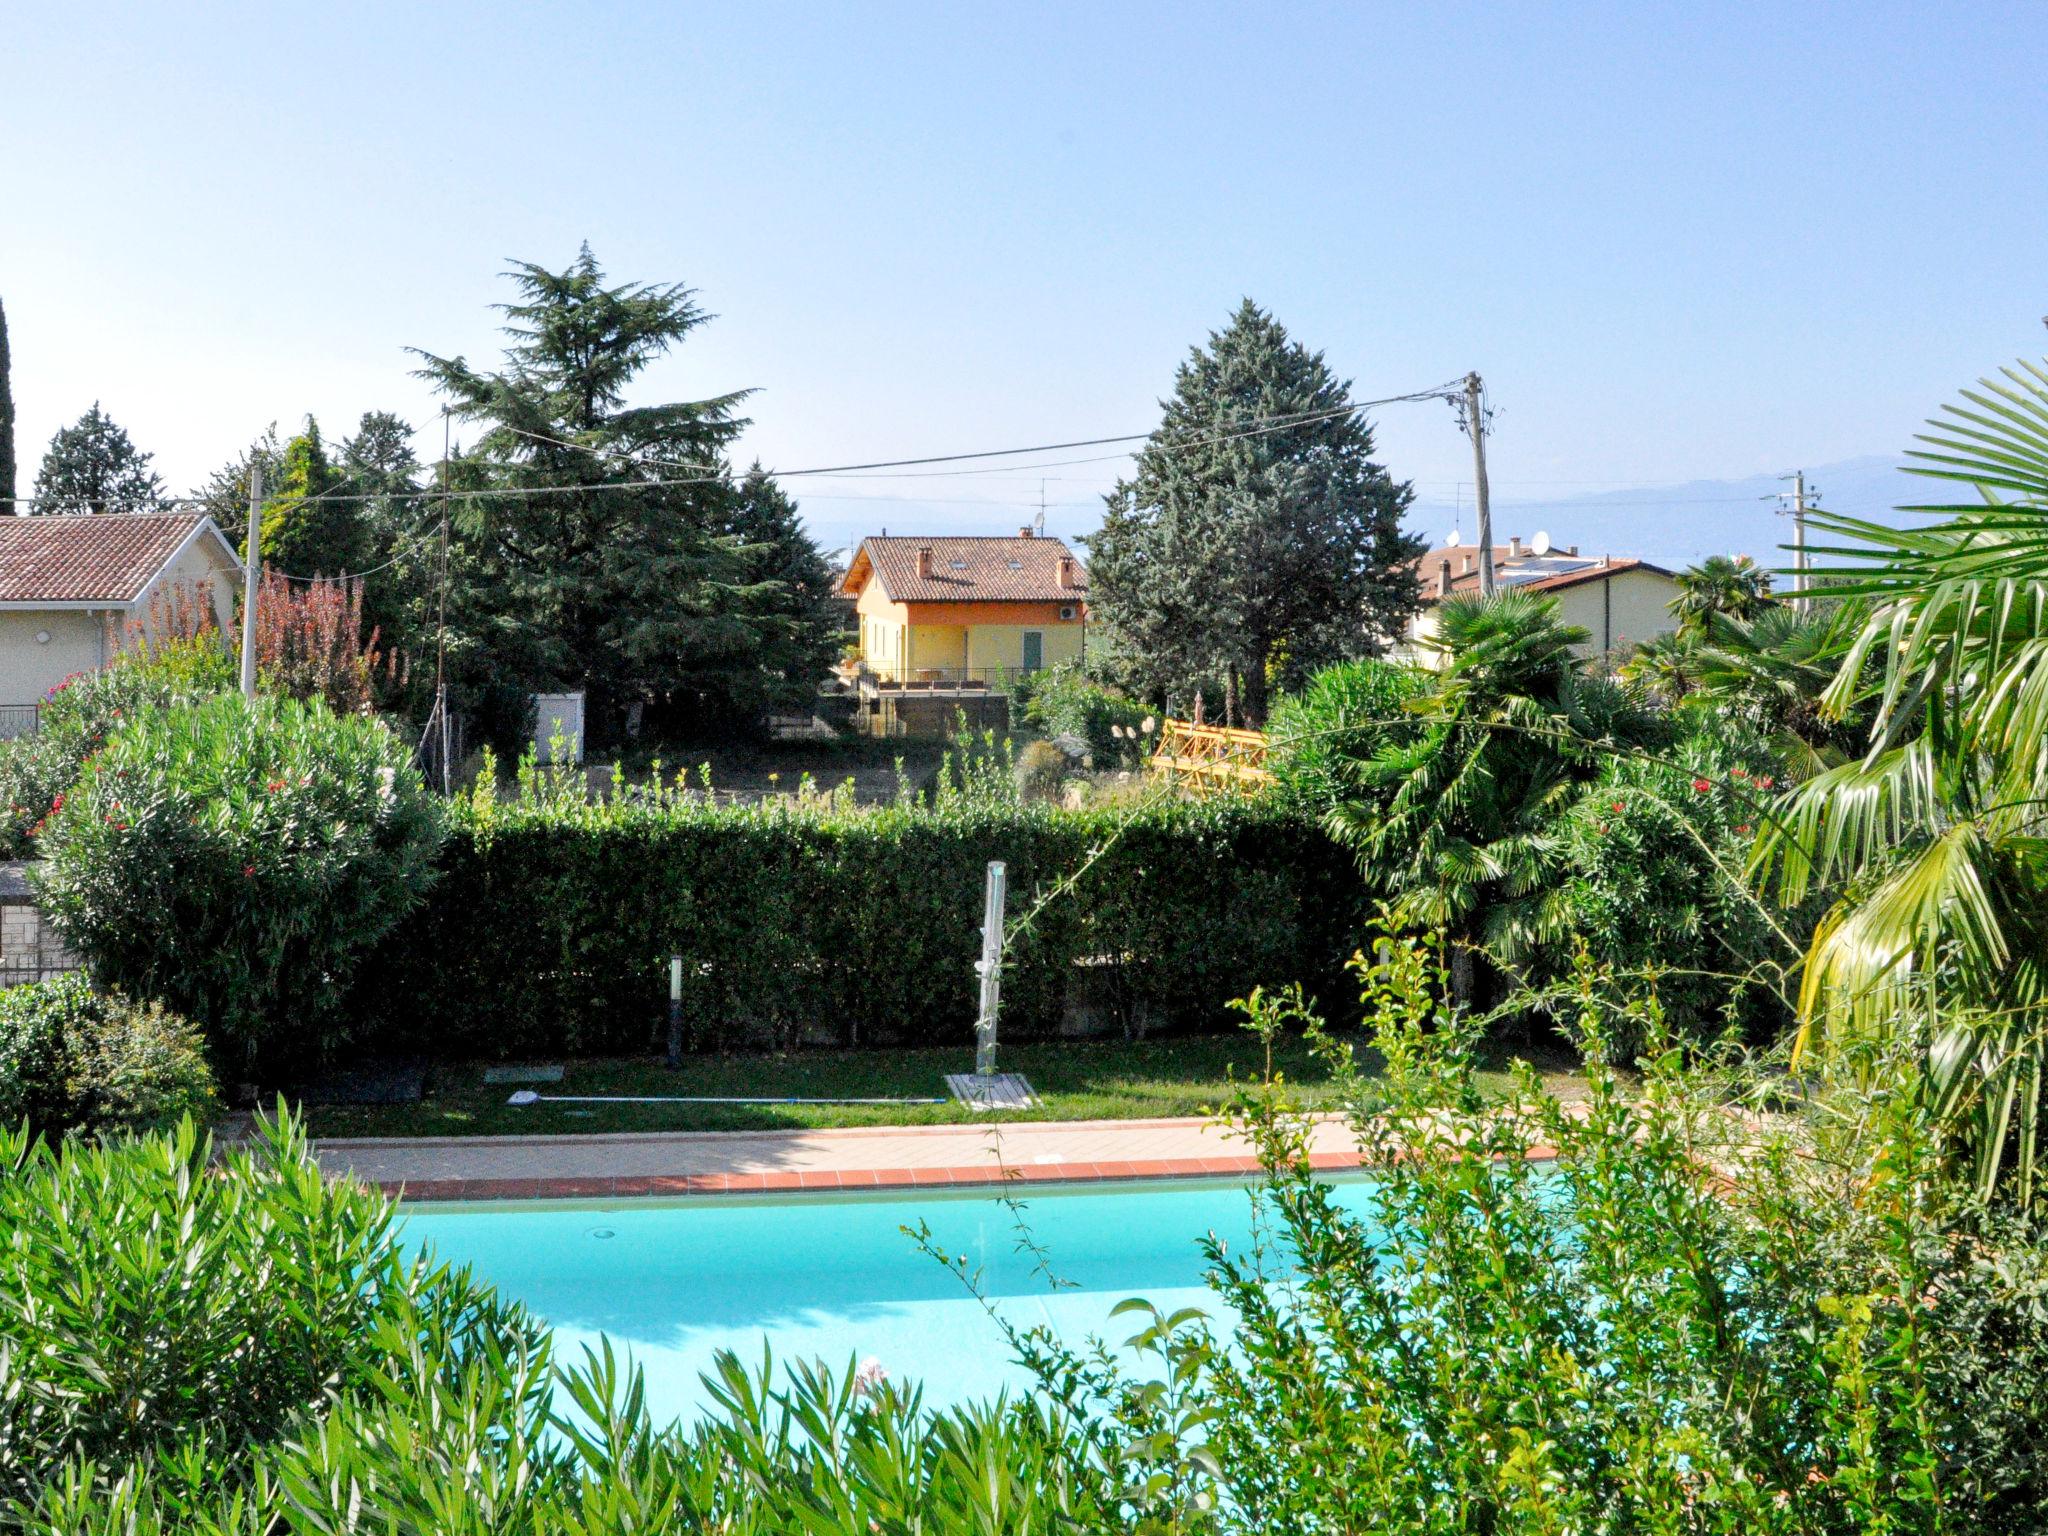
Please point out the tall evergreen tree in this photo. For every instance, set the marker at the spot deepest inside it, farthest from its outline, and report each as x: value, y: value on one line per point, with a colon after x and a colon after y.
x: 225, y: 495
x: 6, y: 419
x: 606, y: 564
x: 797, y: 624
x: 92, y: 466
x: 1243, y: 555
x: 311, y: 524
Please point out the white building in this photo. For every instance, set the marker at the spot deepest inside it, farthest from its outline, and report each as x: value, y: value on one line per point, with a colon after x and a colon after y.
x: 75, y: 590
x: 1618, y: 601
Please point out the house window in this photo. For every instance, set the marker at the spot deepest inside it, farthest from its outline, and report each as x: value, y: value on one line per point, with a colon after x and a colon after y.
x: 1034, y: 650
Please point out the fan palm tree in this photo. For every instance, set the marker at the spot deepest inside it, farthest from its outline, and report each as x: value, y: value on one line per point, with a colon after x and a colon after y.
x: 1938, y: 829
x: 1463, y: 823
x: 1666, y: 667
x: 1773, y: 672
x: 1738, y: 587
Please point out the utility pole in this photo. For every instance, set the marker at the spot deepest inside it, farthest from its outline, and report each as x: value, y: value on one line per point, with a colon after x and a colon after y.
x: 1798, y: 510
x: 1475, y: 423
x: 252, y: 560
x: 440, y: 715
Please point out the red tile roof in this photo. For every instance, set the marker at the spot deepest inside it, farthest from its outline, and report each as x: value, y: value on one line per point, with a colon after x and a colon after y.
x: 1011, y: 569
x: 106, y: 558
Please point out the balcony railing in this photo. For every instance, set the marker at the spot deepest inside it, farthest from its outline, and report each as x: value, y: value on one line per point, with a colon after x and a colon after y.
x: 944, y: 679
x: 19, y: 720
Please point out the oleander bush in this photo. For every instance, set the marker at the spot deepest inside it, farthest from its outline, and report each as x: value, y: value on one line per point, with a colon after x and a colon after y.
x: 236, y: 859
x: 83, y: 711
x: 811, y: 920
x: 235, y: 1347
x: 73, y: 1059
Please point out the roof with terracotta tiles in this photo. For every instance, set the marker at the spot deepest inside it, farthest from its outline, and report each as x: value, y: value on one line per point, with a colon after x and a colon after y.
x: 107, y: 558
x: 1012, y: 569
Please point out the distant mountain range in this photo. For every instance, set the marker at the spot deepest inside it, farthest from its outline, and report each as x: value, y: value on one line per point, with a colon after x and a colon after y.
x: 1670, y: 525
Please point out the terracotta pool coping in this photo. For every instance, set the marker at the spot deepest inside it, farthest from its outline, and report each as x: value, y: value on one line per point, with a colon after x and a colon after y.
x: 624, y: 1186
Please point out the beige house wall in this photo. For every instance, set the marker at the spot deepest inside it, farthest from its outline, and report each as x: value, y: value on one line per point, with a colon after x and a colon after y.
x: 1625, y: 609
x: 30, y: 666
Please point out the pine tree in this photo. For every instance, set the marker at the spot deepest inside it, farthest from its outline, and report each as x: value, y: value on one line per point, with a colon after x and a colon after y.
x: 6, y: 421
x: 612, y: 572
x: 1243, y: 555
x: 92, y: 466
x: 225, y: 495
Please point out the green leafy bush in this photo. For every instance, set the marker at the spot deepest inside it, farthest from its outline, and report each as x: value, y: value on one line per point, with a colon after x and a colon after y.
x: 221, y: 1350
x: 158, y: 1303
x: 82, y: 711
x: 552, y: 924
x: 237, y: 859
x: 1658, y: 852
x: 1321, y: 736
x: 73, y: 1059
x: 1618, y: 1337
x: 1065, y: 704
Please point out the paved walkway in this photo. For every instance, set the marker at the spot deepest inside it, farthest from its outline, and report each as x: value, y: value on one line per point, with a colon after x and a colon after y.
x: 756, y: 1162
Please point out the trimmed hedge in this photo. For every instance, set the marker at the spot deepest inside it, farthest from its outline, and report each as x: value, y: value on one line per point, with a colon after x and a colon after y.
x: 550, y: 927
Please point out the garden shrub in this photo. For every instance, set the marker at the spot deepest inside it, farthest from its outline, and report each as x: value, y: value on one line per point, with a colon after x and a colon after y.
x: 1067, y: 706
x: 236, y: 859
x: 74, y: 1059
x: 1620, y: 1337
x: 1340, y: 719
x: 552, y: 924
x: 1658, y: 851
x: 162, y: 1308
x: 82, y: 711
x: 224, y: 1349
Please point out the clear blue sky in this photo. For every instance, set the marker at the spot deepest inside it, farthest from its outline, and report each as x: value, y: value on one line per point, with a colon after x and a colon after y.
x: 1680, y: 241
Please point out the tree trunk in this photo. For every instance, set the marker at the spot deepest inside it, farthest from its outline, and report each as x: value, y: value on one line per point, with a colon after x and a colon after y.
x: 1255, y: 694
x: 1230, y: 699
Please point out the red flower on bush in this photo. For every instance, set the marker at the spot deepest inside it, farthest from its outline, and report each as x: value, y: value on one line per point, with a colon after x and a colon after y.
x: 1701, y: 786
x: 1738, y: 773
x: 248, y: 869
x: 274, y: 785
x: 1620, y: 806
x: 57, y: 804
x: 1744, y: 830
x: 1765, y: 781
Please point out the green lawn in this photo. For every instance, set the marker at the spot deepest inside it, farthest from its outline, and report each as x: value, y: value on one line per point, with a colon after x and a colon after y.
x: 1075, y: 1081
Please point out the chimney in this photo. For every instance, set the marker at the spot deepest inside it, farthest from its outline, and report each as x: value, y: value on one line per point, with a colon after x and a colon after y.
x: 1024, y: 532
x: 1514, y: 546
x: 1443, y: 578
x: 924, y: 562
x: 1471, y: 563
x: 1571, y: 549
x: 1067, y: 571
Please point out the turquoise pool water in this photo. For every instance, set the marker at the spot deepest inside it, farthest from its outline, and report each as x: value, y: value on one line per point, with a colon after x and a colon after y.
x: 835, y: 1277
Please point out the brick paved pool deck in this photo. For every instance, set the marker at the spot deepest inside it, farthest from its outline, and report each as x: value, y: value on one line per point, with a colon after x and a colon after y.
x: 765, y: 1162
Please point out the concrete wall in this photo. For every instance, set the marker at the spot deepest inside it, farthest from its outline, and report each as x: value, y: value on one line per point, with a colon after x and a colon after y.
x: 29, y: 667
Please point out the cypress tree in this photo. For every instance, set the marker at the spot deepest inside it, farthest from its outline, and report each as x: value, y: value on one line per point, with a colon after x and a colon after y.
x: 1246, y: 556
x: 6, y: 418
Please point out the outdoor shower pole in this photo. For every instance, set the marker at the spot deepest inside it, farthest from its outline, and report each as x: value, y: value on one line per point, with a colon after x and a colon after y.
x: 991, y: 969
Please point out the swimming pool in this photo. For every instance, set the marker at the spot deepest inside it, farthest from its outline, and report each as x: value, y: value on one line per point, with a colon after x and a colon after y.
x: 834, y: 1277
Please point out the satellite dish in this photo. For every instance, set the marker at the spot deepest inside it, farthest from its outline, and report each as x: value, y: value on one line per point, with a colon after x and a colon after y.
x: 1540, y: 545
x: 1452, y: 539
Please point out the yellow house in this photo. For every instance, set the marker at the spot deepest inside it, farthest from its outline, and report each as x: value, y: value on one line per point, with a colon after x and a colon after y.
x: 966, y: 610
x: 1619, y: 602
